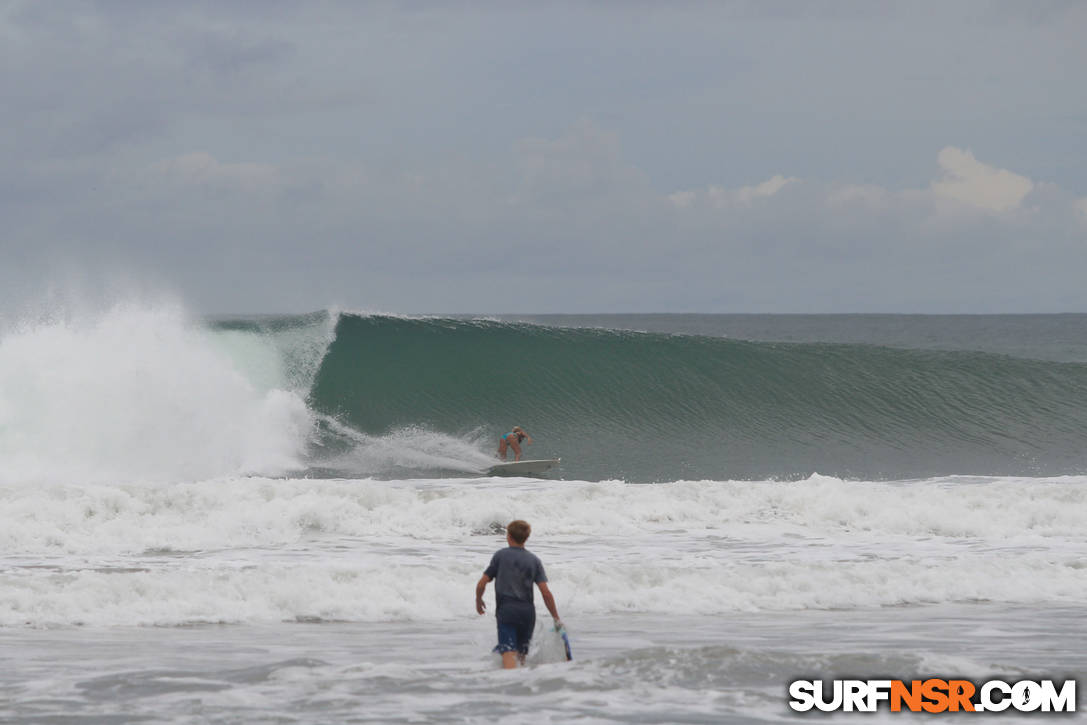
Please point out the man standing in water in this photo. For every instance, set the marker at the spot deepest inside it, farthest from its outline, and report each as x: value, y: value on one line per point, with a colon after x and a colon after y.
x: 515, y: 570
x: 513, y: 440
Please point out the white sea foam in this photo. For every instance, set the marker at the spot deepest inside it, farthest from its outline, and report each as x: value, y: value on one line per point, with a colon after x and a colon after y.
x: 436, y: 587
x: 413, y: 448
x: 140, y: 393
x: 360, y: 550
x: 129, y: 518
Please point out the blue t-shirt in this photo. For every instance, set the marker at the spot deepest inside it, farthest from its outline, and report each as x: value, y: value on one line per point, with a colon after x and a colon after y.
x: 514, y: 571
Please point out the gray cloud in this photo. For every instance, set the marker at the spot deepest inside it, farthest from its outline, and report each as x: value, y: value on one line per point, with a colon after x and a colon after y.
x: 581, y: 157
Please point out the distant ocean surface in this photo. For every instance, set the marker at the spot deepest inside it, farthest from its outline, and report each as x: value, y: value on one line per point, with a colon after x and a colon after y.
x: 282, y: 517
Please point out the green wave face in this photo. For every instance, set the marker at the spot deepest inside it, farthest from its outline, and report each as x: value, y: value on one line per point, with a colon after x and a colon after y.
x: 651, y: 407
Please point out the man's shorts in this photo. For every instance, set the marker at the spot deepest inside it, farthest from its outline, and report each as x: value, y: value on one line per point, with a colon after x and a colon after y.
x: 515, y: 629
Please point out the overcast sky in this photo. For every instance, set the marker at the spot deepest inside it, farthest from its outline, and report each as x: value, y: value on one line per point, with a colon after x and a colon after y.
x: 548, y: 157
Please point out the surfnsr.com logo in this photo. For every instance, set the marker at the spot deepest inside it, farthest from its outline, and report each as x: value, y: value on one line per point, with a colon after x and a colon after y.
x: 932, y: 695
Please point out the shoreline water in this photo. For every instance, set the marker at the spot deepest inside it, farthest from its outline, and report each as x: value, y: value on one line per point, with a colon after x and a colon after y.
x: 631, y: 668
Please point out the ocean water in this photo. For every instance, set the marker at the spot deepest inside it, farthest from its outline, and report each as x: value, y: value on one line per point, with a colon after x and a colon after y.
x: 282, y: 518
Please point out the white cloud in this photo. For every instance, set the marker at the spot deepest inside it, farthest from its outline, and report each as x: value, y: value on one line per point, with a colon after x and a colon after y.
x: 868, y: 195
x: 967, y: 180
x: 771, y: 186
x: 966, y: 199
x: 683, y: 199
x: 202, y: 169
x: 721, y: 197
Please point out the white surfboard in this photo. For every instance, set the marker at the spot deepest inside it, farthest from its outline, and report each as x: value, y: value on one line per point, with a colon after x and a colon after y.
x: 522, y: 468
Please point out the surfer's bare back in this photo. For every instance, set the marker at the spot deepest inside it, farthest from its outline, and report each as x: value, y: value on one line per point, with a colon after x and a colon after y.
x: 513, y: 440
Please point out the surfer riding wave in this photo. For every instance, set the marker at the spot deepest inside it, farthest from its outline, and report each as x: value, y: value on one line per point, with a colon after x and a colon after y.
x: 513, y: 440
